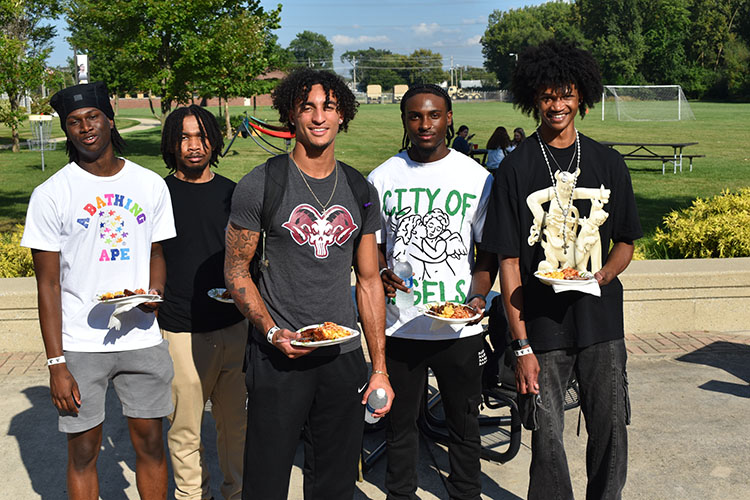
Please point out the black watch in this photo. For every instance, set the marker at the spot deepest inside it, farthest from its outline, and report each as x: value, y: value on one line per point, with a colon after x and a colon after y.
x: 519, y: 344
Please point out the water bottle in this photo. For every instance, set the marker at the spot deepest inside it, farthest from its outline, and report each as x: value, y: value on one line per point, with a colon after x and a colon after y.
x: 403, y: 270
x: 376, y: 400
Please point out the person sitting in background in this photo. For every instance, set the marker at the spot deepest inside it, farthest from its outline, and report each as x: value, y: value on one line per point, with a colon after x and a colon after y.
x: 498, y: 148
x: 518, y: 136
x: 461, y: 143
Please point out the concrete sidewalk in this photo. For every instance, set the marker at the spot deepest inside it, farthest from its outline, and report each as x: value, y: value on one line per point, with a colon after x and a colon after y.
x: 689, y: 437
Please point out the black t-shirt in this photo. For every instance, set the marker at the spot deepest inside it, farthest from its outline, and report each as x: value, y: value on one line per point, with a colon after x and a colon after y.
x: 568, y: 319
x: 195, y: 258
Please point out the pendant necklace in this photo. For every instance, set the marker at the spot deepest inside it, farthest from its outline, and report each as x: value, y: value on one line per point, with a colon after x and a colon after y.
x: 335, y: 183
x: 566, y: 176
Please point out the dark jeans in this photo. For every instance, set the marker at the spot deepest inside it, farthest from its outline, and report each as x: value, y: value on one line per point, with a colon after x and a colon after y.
x: 456, y: 365
x: 321, y: 394
x: 601, y: 375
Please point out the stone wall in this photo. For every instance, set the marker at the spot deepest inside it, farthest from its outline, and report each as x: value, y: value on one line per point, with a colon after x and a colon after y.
x: 660, y: 296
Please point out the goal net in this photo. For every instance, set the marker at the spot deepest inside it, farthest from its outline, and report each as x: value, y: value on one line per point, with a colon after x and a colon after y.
x: 645, y: 103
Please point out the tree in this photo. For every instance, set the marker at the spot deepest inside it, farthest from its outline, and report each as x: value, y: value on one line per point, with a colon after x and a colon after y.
x: 666, y: 25
x: 24, y: 48
x: 425, y: 66
x: 510, y: 32
x: 376, y: 66
x: 164, y: 44
x: 313, y: 50
x: 488, y: 79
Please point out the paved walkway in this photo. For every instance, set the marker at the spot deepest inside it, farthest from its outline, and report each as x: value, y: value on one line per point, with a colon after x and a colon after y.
x: 674, y: 343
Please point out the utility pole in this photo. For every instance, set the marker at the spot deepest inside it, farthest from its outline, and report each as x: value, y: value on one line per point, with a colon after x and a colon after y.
x: 452, y: 71
x: 354, y: 72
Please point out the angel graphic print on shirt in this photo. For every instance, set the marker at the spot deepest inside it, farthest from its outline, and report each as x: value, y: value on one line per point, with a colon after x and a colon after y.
x: 432, y: 213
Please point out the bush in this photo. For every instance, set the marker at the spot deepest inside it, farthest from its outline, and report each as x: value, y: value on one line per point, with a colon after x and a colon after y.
x: 716, y: 227
x: 15, y: 261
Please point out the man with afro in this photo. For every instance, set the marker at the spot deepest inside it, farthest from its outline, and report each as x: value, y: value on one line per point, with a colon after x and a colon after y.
x: 549, y: 188
x: 320, y: 229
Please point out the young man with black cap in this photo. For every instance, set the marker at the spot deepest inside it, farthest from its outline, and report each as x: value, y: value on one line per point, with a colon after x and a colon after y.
x: 94, y: 227
x: 206, y: 337
x: 319, y: 230
x: 562, y: 200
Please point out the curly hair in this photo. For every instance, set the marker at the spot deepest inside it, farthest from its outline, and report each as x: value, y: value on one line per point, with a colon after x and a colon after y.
x: 556, y: 65
x: 296, y: 87
x: 426, y: 88
x: 172, y: 134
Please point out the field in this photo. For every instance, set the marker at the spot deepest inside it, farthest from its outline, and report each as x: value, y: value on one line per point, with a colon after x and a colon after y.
x: 721, y: 130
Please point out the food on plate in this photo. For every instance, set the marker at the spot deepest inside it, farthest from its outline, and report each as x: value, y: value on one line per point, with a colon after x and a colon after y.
x: 451, y: 310
x: 226, y: 295
x: 326, y: 331
x: 566, y: 274
x: 122, y: 293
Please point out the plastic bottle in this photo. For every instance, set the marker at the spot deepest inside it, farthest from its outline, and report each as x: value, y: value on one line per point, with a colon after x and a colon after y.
x: 376, y: 400
x: 403, y: 270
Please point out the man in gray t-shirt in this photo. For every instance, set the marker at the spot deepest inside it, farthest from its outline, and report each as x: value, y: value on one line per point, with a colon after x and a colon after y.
x: 317, y: 232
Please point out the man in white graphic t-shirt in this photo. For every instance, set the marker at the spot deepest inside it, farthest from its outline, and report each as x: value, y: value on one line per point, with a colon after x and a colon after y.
x: 93, y: 229
x: 434, y: 201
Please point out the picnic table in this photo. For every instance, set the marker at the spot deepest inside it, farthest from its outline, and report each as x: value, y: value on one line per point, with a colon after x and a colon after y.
x: 647, y: 151
x: 479, y: 155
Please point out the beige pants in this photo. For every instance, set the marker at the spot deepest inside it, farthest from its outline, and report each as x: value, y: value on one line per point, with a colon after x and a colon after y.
x: 207, y: 366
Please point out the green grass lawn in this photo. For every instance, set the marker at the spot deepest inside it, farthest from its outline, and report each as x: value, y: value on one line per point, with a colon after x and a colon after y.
x: 375, y: 134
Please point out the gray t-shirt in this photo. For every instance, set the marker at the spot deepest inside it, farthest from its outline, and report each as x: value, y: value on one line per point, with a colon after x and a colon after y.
x: 309, y: 249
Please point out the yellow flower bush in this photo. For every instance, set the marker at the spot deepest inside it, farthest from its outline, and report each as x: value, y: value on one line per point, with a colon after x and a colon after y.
x: 15, y: 261
x: 716, y: 227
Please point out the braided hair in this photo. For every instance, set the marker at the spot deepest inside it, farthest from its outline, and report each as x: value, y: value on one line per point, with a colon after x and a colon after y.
x: 172, y: 134
x: 426, y: 88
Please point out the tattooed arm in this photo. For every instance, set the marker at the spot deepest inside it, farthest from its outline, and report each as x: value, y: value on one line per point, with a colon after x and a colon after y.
x: 240, y: 249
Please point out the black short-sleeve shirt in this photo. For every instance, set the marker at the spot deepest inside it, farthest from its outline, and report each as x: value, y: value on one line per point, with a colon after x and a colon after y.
x: 568, y: 319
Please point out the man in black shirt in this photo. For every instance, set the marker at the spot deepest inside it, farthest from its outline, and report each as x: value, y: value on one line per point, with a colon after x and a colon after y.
x: 206, y: 337
x: 557, y: 202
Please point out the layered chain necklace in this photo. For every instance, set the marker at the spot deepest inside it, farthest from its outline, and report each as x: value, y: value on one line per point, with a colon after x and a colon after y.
x: 566, y: 176
x: 335, y: 183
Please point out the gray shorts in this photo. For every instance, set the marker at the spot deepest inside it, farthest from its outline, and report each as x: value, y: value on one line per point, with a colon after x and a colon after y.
x: 141, y: 377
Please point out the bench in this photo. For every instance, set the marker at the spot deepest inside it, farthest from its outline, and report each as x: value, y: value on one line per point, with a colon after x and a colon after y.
x: 663, y: 158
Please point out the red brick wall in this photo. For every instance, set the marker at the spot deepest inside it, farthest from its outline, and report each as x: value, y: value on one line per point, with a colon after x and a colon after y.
x: 131, y: 103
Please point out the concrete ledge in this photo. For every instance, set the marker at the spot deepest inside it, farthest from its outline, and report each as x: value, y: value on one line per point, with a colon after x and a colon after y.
x: 660, y: 296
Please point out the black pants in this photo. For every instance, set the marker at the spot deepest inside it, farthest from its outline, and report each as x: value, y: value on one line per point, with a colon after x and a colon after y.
x: 320, y: 394
x: 457, y: 365
x: 601, y: 375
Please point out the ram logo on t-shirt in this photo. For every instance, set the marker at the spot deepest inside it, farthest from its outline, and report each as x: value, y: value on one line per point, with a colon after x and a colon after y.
x: 308, y: 226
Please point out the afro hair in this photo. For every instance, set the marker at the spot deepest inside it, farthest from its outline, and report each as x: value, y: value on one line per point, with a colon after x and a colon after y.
x: 296, y: 87
x: 556, y: 65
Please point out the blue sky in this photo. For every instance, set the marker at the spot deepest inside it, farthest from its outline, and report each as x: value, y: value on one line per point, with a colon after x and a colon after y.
x: 452, y: 28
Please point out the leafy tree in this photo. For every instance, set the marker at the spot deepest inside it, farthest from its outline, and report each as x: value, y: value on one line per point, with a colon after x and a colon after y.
x: 666, y: 28
x: 376, y: 66
x: 425, y: 66
x: 487, y: 78
x: 312, y: 49
x: 164, y: 44
x: 510, y: 32
x: 24, y: 48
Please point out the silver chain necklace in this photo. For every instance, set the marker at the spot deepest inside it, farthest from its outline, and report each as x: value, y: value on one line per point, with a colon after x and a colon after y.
x: 335, y: 183
x: 564, y: 177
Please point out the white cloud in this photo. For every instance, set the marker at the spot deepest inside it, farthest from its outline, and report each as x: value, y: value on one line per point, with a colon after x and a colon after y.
x: 476, y: 20
x: 426, y: 29
x: 345, y: 40
x: 470, y: 42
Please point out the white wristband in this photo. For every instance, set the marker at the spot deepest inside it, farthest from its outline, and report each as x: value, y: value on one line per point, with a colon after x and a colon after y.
x: 383, y: 270
x: 523, y: 352
x: 56, y: 361
x: 271, y: 331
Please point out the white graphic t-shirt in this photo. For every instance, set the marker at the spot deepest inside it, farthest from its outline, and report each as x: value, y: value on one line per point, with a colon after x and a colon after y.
x: 434, y: 214
x: 103, y: 228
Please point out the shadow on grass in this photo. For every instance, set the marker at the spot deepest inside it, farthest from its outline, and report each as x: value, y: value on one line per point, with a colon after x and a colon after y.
x: 146, y: 143
x: 14, y: 205
x: 652, y: 210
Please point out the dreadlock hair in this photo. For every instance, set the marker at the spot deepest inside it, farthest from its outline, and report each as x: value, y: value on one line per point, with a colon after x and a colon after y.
x: 118, y: 144
x: 172, y: 134
x: 295, y: 88
x: 425, y: 88
x: 556, y: 65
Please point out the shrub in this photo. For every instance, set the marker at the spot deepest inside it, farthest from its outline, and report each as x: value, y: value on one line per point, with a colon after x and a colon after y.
x: 15, y: 261
x: 716, y: 227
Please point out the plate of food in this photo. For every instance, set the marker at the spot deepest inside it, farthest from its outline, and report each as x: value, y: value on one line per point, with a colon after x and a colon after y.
x: 450, y: 312
x: 324, y: 334
x: 127, y: 296
x: 567, y: 276
x: 221, y: 294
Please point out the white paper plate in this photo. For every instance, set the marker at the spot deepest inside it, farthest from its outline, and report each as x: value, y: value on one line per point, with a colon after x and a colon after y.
x: 320, y: 343
x: 132, y: 299
x: 570, y: 283
x: 426, y: 311
x: 215, y: 293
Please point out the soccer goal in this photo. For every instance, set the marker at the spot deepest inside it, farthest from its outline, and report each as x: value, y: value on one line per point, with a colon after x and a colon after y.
x: 645, y: 103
